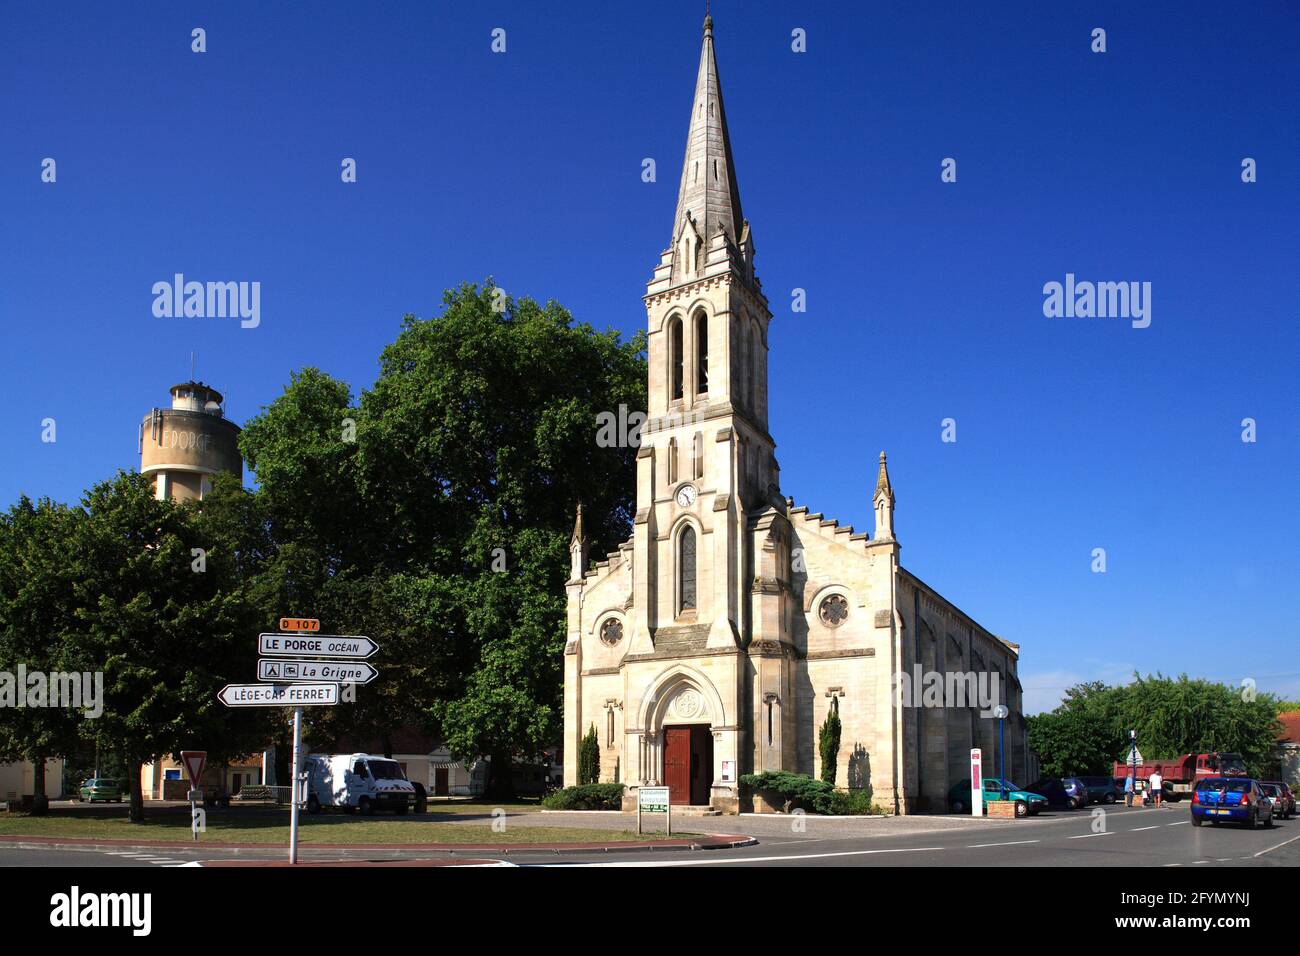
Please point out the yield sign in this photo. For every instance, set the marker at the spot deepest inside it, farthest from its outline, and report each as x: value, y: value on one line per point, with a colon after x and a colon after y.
x: 194, y: 761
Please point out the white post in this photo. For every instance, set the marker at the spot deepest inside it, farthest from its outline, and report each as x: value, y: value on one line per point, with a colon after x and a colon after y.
x: 638, y: 814
x: 293, y: 808
x: 668, y: 816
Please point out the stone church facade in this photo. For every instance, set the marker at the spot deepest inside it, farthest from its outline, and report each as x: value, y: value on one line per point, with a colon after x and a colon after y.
x: 715, y: 641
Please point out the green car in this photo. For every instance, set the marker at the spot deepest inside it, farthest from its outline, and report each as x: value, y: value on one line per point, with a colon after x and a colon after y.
x: 101, y: 788
x: 994, y: 789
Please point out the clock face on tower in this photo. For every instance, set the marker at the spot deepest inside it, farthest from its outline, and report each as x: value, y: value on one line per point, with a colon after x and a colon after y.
x: 686, y: 495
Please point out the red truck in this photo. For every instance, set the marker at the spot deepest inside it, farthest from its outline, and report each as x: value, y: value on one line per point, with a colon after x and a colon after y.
x: 1180, y: 775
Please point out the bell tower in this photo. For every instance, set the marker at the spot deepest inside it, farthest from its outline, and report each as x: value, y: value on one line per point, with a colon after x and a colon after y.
x: 706, y: 458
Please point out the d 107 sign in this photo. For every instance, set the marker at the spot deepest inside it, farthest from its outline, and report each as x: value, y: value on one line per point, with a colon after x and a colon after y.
x: 279, y: 695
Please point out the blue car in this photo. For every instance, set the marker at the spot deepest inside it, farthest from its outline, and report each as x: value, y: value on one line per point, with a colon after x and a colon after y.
x: 1239, y: 799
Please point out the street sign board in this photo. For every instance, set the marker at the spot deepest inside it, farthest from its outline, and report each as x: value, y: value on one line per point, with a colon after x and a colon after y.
x: 653, y: 799
x: 976, y: 783
x: 315, y: 645
x: 278, y: 695
x: 344, y: 672
x: 194, y: 761
x: 299, y: 624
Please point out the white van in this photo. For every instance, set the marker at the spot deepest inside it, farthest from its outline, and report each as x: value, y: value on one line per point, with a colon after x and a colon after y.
x: 364, y: 782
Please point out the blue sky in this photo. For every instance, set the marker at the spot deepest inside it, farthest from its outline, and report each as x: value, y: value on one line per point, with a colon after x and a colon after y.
x: 924, y: 298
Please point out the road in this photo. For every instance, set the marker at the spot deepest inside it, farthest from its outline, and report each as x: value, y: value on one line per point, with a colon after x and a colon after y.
x: 1122, y: 837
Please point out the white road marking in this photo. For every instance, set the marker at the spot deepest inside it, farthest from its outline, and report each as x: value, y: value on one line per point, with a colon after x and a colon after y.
x: 1140, y: 829
x: 976, y: 846
x: 1278, y: 847
x: 1084, y: 836
x: 753, y: 859
x: 1178, y: 824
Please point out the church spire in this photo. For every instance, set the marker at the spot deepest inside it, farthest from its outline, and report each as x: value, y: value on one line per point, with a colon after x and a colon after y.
x: 883, y: 500
x: 578, y: 548
x: 708, y: 194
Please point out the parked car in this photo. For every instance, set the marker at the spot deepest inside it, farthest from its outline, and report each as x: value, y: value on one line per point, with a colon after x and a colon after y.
x: 1068, y: 792
x: 1027, y: 802
x: 100, y: 788
x: 1102, y: 789
x: 1238, y: 799
x: 1282, y: 797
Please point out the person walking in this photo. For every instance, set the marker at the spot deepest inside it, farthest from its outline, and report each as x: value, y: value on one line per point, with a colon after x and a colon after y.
x: 1128, y: 790
x: 1157, y: 785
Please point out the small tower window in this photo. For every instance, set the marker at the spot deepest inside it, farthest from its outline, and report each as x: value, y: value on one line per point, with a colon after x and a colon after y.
x: 701, y: 353
x: 675, y: 358
x: 672, y: 461
x: 686, y: 569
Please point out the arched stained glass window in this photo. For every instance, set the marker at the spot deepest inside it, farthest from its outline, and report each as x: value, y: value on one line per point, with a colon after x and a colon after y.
x: 686, y: 569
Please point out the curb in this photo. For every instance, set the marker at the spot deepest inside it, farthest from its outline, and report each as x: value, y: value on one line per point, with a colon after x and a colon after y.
x: 713, y: 842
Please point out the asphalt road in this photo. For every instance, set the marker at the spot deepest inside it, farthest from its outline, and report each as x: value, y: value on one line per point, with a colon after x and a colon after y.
x: 1122, y: 837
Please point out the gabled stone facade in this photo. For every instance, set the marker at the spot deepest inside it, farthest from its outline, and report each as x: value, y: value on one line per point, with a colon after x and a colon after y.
x: 713, y: 642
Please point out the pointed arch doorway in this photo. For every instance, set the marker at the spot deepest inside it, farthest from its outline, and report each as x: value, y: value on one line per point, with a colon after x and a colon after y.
x: 680, y: 712
x: 688, y: 764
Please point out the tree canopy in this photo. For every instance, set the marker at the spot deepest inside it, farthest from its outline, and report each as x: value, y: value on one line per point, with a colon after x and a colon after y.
x: 435, y: 511
x: 1089, y: 731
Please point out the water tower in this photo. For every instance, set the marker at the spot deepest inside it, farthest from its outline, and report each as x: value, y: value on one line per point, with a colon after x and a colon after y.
x: 184, y: 446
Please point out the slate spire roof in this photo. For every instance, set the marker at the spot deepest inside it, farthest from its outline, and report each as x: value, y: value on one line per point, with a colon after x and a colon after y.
x: 708, y: 191
x: 882, y: 481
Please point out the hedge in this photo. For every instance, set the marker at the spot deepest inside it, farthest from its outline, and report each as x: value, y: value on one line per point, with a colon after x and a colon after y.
x: 589, y: 796
x: 801, y: 792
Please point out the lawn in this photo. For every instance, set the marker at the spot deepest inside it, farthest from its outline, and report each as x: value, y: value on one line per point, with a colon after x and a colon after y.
x: 272, y: 826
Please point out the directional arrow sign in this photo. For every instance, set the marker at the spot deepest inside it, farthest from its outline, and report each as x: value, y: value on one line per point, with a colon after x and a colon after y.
x: 344, y: 672
x: 315, y: 645
x: 278, y: 695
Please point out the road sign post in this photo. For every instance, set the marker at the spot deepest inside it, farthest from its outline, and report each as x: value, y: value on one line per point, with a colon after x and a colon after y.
x: 976, y: 783
x: 193, y: 761
x: 294, y: 679
x: 297, y: 767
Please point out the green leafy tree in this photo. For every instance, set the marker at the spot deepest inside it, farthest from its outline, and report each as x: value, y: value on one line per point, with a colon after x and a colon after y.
x: 439, y: 523
x: 161, y: 608
x: 828, y: 743
x: 37, y: 542
x: 1081, y: 736
x: 1175, y: 716
x: 589, y: 758
x: 1089, y: 731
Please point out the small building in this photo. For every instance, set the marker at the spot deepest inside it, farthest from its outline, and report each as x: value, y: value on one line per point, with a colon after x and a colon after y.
x: 424, y: 759
x: 165, y: 779
x: 19, y: 779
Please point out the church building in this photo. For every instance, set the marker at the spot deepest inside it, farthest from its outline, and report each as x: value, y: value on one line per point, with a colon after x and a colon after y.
x: 716, y: 640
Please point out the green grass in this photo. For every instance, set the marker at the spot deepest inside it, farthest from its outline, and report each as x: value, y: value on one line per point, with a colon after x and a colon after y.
x: 272, y: 826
